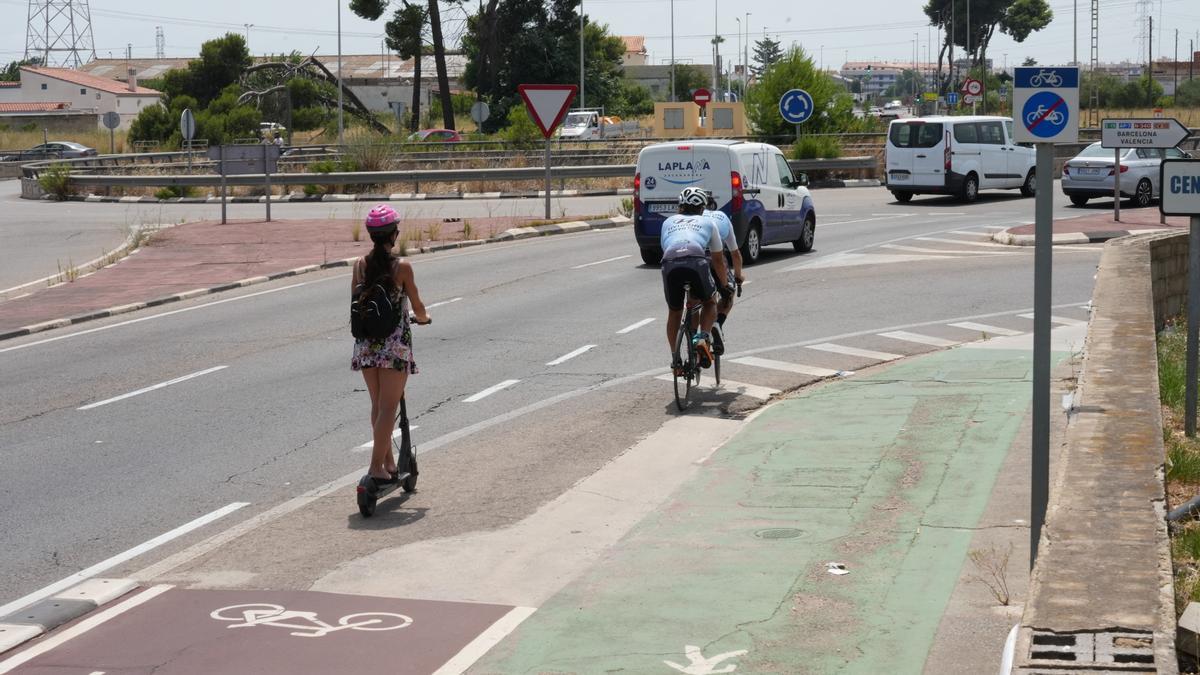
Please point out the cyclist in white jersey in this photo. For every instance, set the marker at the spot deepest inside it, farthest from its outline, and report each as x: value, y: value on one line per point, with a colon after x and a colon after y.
x: 733, y: 261
x: 691, y: 248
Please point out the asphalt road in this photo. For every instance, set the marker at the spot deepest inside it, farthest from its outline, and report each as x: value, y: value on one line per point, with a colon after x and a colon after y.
x: 272, y: 408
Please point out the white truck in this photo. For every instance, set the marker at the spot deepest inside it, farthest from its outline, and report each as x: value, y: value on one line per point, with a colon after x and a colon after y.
x: 593, y: 124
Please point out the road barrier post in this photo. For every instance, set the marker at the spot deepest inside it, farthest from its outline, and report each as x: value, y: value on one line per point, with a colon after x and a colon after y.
x: 1042, y: 271
x: 1193, y: 325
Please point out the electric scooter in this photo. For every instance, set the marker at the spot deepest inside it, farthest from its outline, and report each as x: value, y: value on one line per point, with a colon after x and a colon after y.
x: 371, y: 490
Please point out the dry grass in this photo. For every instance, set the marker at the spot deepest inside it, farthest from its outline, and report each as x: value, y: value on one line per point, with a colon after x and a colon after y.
x: 992, y: 564
x: 14, y: 139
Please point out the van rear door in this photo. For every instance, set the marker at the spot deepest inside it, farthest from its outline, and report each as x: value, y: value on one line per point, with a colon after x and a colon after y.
x: 919, y: 148
x: 666, y: 169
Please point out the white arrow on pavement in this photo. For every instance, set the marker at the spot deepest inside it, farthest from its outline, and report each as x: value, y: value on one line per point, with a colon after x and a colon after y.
x: 705, y: 666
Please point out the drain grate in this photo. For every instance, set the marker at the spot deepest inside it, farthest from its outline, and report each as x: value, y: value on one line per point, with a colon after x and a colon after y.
x: 1114, y: 650
x: 779, y: 533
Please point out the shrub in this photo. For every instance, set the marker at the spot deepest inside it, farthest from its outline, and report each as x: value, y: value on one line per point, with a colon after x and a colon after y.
x: 626, y: 208
x: 521, y: 131
x: 813, y: 147
x: 56, y: 181
x: 174, y: 192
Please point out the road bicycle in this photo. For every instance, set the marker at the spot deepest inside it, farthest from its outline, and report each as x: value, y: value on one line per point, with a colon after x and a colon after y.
x: 687, y: 377
x: 306, y: 624
x: 1055, y: 118
x: 1048, y: 78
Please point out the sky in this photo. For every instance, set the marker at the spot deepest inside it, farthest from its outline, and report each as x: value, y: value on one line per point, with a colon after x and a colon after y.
x: 892, y: 29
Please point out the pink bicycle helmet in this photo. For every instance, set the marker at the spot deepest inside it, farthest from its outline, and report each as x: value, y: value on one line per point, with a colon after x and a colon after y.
x: 382, y: 218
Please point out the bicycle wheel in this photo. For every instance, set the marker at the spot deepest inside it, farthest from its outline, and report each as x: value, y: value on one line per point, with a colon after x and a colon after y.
x: 683, y: 382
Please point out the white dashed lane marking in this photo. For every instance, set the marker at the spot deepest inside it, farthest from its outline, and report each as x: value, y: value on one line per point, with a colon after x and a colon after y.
x: 633, y: 327
x: 784, y: 366
x: 601, y: 262
x: 567, y: 357
x: 151, y: 388
x: 490, y: 390
x: 854, y: 351
x: 751, y: 390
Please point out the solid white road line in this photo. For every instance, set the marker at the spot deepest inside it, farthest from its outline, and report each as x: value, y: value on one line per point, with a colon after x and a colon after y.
x: 567, y: 357
x: 984, y: 328
x: 144, y: 390
x: 946, y: 251
x: 971, y: 233
x: 784, y: 366
x: 632, y: 327
x: 489, y: 638
x: 489, y: 391
x: 112, y: 562
x: 751, y: 390
x: 82, y: 627
x: 963, y: 242
x: 918, y: 338
x: 442, y: 303
x: 854, y: 351
x: 395, y: 434
x: 1057, y: 319
x: 867, y: 220
x: 601, y: 262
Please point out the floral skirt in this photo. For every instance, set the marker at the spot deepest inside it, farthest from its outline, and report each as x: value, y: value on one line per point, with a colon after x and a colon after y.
x: 394, y: 351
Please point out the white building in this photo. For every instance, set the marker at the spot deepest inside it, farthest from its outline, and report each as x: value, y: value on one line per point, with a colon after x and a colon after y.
x: 81, y: 92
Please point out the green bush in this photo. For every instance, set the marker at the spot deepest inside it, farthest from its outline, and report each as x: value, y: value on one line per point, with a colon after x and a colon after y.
x: 814, y: 147
x: 521, y: 131
x: 174, y: 192
x: 29, y: 127
x: 56, y: 181
x: 1172, y: 367
x: 311, y: 190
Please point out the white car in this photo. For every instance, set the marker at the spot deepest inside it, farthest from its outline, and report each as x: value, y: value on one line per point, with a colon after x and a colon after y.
x: 1089, y: 175
x: 751, y: 182
x: 956, y: 156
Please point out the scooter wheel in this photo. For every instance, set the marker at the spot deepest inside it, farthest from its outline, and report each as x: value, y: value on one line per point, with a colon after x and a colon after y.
x: 366, y: 505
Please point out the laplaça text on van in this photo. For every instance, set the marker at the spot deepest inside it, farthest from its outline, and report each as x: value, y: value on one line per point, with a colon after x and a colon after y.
x: 684, y: 166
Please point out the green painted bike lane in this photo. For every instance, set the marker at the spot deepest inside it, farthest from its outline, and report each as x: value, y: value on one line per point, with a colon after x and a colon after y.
x: 885, y: 473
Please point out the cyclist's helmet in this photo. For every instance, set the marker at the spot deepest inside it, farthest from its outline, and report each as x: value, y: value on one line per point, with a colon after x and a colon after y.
x: 383, y: 219
x: 711, y: 202
x: 693, y: 196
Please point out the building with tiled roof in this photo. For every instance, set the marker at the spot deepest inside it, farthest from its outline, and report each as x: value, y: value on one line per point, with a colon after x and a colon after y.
x: 635, y: 50
x: 81, y: 92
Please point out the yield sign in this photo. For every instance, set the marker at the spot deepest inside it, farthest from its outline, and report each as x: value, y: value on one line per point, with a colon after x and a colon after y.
x: 547, y: 104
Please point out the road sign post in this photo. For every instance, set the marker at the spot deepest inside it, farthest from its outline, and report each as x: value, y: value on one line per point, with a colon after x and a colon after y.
x: 1179, y: 183
x: 796, y: 107
x: 187, y: 127
x: 1046, y: 111
x: 1122, y: 134
x: 112, y: 120
x: 547, y: 105
x: 480, y: 112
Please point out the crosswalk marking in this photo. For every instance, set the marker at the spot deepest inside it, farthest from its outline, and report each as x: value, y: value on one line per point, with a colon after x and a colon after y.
x: 949, y: 252
x: 1057, y: 319
x: 971, y: 233
x: 853, y: 259
x: 751, y: 390
x: 854, y: 351
x: 945, y: 240
x: 984, y: 328
x: 785, y: 366
x: 918, y: 338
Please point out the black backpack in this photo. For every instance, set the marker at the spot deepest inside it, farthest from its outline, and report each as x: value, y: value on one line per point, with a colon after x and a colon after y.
x: 373, y: 314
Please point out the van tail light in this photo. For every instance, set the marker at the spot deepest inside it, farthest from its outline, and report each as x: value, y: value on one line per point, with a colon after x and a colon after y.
x: 637, y: 194
x: 947, y: 153
x: 735, y: 182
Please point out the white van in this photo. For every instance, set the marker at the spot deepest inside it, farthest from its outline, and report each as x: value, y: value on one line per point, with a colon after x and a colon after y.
x: 751, y: 182
x: 957, y: 156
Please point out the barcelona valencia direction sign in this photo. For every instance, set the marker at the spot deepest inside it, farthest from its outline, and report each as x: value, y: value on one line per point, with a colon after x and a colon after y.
x: 1142, y: 133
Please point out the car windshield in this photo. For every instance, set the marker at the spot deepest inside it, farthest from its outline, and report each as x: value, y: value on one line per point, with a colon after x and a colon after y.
x: 915, y: 135
x: 576, y: 120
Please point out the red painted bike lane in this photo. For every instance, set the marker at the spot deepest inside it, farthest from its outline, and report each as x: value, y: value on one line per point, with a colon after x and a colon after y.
x: 171, y: 631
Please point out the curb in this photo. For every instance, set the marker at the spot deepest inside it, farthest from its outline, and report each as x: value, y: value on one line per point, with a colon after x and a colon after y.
x: 508, y: 235
x: 1100, y: 236
x: 46, y: 615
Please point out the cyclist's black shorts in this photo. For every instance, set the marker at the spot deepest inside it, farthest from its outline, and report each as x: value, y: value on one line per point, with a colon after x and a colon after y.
x: 692, y: 270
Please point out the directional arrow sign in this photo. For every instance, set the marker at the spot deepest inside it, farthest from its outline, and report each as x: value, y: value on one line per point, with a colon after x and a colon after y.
x: 547, y: 104
x: 1141, y: 133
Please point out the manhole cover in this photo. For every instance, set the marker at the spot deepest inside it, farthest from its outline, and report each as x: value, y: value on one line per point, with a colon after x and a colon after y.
x: 779, y: 533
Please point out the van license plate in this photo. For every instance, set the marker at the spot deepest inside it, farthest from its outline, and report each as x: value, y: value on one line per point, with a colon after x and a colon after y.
x: 662, y: 207
x: 902, y: 175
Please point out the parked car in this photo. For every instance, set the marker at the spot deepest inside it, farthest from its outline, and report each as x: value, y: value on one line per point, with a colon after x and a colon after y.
x: 751, y: 182
x: 435, y: 136
x: 956, y: 156
x: 1089, y: 175
x: 53, y: 150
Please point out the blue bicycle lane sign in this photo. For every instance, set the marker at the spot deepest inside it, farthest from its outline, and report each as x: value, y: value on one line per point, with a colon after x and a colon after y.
x: 1046, y: 105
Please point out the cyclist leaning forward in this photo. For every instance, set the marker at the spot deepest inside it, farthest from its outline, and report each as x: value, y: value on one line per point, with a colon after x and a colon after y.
x: 692, y: 247
x: 733, y: 263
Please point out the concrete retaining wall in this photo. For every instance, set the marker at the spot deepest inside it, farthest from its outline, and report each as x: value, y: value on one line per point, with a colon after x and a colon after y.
x: 1168, y: 270
x: 1101, y: 596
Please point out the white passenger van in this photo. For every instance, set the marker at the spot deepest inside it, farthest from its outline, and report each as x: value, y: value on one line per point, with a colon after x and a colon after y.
x: 956, y: 156
x: 751, y: 182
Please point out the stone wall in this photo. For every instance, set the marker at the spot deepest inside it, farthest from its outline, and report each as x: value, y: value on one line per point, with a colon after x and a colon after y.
x: 55, y: 125
x: 1168, y: 272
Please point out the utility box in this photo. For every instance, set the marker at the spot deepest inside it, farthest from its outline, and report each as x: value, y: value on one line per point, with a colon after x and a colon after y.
x: 725, y: 119
x: 676, y: 120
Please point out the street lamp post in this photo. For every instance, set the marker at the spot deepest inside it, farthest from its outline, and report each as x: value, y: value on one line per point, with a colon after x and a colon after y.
x: 341, y: 120
x: 248, y: 27
x: 672, y: 51
x: 738, y: 56
x: 582, y: 97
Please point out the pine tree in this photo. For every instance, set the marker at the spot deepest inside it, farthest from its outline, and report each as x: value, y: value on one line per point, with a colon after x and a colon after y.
x: 766, y: 52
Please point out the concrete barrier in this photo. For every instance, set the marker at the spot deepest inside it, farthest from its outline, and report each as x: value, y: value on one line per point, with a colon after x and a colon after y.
x: 1101, y: 595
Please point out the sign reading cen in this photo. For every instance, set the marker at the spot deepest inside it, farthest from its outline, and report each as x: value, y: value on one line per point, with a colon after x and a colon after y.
x: 1180, y: 181
x: 1046, y: 105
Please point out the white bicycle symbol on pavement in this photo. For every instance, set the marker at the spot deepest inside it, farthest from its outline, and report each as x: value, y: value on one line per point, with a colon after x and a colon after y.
x: 1055, y: 118
x: 1049, y: 78
x: 306, y: 624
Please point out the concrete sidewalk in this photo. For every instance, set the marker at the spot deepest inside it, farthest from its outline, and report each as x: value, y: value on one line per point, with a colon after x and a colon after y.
x: 205, y: 257
x: 1094, y: 224
x: 735, y: 568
